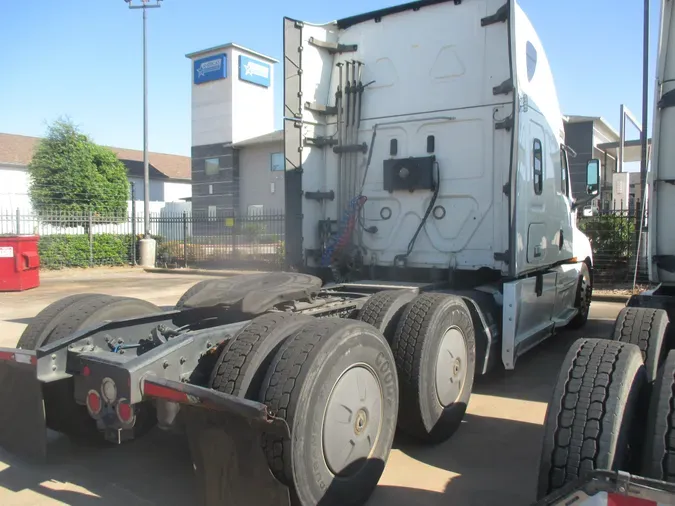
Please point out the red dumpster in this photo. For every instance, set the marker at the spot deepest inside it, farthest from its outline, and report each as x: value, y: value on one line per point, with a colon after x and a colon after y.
x: 19, y: 263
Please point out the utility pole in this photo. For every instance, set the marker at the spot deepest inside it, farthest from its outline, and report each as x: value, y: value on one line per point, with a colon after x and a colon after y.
x: 147, y: 244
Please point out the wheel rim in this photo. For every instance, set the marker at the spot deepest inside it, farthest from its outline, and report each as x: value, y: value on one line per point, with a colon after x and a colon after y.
x: 451, y: 366
x: 352, y: 419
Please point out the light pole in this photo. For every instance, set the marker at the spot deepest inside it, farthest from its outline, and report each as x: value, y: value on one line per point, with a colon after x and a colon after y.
x: 145, y: 4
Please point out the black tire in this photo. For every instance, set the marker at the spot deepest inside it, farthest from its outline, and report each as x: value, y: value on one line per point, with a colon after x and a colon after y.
x: 315, y: 364
x: 37, y: 332
x: 243, y: 363
x: 589, y: 418
x: 659, y: 451
x: 198, y: 287
x: 427, y: 413
x: 384, y: 309
x: 583, y: 298
x: 63, y: 414
x: 647, y: 329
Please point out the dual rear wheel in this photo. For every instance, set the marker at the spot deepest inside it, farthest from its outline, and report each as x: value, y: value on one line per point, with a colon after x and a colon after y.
x: 345, y: 385
x: 612, y: 406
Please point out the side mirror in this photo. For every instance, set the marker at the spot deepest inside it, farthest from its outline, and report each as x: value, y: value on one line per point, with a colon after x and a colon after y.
x: 593, y: 177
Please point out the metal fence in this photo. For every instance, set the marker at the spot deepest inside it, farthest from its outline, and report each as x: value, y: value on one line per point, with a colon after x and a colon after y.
x: 614, y: 237
x: 86, y: 239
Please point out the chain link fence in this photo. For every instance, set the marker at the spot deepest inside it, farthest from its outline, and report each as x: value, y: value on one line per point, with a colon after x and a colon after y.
x: 89, y: 239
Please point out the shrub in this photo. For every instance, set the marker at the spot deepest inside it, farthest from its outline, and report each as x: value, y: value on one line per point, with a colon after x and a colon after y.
x: 59, y: 251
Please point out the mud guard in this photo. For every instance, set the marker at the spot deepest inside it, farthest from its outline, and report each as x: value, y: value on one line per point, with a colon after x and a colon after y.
x: 23, y: 425
x: 225, y: 438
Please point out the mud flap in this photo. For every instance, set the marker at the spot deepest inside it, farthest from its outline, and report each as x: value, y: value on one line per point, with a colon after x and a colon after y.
x: 23, y: 429
x: 225, y: 436
x: 230, y: 466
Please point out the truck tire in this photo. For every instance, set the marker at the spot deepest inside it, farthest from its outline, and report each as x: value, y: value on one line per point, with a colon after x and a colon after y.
x: 435, y: 351
x: 384, y: 309
x: 659, y: 451
x: 583, y: 298
x: 334, y: 382
x: 589, y: 418
x: 197, y: 287
x: 39, y: 328
x: 647, y: 329
x: 62, y: 412
x: 243, y: 362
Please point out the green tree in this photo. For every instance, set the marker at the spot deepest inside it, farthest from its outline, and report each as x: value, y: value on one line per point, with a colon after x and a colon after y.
x: 71, y: 174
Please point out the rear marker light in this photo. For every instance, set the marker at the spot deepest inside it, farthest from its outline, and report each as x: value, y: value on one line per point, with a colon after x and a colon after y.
x: 93, y: 402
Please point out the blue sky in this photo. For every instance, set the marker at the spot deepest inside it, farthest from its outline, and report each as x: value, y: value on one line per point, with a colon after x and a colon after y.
x: 82, y: 58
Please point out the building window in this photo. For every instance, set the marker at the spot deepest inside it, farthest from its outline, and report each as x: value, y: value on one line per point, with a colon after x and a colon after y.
x: 212, y: 211
x: 531, y: 61
x: 537, y: 167
x: 212, y: 166
x: 277, y: 162
x: 564, y: 170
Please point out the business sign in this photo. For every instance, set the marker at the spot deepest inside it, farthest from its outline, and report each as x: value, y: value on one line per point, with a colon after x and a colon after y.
x: 210, y: 68
x: 255, y: 71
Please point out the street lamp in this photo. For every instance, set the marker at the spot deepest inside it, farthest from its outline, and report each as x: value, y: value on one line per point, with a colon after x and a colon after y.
x: 145, y: 4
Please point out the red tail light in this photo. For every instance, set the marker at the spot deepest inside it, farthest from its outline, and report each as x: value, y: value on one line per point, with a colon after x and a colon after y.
x: 93, y: 402
x: 125, y: 412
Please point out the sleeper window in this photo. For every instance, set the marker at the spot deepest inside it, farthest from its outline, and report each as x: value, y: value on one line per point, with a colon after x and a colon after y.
x: 537, y: 167
x: 564, y: 170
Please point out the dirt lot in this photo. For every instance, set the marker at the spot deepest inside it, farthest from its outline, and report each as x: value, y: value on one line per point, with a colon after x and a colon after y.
x: 492, y: 460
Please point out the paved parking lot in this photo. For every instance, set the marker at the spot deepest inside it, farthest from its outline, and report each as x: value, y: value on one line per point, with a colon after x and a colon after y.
x: 492, y: 460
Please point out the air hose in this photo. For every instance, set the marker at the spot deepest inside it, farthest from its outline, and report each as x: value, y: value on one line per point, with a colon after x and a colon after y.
x: 341, y: 238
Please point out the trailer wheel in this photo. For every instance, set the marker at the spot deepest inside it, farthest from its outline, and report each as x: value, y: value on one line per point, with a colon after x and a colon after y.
x: 647, y: 329
x: 243, y: 363
x: 198, y: 287
x: 589, y: 419
x: 583, y: 298
x: 435, y: 351
x: 659, y: 452
x: 39, y: 328
x: 334, y: 382
x: 63, y: 414
x: 384, y: 309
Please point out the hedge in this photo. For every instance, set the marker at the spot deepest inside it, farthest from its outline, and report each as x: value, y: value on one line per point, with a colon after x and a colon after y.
x: 59, y: 251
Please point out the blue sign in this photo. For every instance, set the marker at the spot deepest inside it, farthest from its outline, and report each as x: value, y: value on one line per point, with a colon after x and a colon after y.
x: 210, y: 68
x: 255, y: 71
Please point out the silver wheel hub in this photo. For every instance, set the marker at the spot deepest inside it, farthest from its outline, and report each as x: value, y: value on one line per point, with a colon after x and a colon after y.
x: 352, y: 419
x: 451, y: 366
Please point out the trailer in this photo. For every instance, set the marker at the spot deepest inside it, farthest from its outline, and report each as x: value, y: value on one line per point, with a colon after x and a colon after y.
x: 611, y: 417
x: 431, y: 236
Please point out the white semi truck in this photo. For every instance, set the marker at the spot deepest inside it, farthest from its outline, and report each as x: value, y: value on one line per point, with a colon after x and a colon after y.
x: 431, y: 236
x: 609, y: 434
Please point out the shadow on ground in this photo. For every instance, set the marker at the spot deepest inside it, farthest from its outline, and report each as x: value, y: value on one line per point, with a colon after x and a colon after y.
x: 156, y: 469
x: 491, y: 461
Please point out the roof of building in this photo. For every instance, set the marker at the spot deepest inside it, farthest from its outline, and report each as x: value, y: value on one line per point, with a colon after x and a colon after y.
x: 276, y: 136
x: 229, y: 45
x: 18, y: 150
x: 594, y: 119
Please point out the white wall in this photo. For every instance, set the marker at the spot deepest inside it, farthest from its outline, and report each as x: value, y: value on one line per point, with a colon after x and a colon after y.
x: 212, y: 105
x: 252, y: 104
x: 256, y: 178
x: 175, y: 191
x: 14, y: 189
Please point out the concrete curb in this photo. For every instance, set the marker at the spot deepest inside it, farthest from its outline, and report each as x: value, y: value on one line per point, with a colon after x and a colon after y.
x: 198, y: 272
